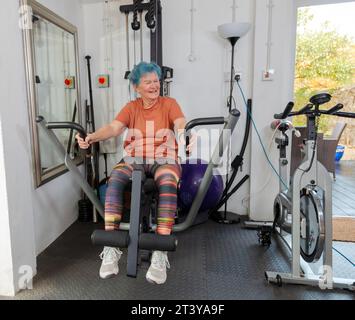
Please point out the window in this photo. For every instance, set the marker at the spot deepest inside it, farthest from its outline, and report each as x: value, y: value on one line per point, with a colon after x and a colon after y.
x: 325, y: 61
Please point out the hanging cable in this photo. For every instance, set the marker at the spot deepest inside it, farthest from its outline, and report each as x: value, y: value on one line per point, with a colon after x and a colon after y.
x: 150, y: 16
x: 346, y: 258
x: 136, y: 24
x: 128, y: 58
x: 236, y: 165
x: 141, y: 32
x: 260, y: 140
x: 192, y: 56
x: 270, y: 174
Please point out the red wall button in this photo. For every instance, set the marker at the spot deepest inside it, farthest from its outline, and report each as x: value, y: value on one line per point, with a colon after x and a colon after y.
x: 69, y: 83
x: 103, y: 81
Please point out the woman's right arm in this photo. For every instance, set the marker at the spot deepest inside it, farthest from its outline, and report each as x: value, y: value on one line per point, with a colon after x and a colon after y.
x: 113, y: 129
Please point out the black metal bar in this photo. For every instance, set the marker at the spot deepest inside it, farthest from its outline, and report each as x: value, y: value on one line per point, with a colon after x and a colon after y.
x: 65, y: 125
x: 286, y: 112
x: 231, y: 80
x: 130, y: 7
x: 78, y: 178
x: 71, y: 130
x: 159, y: 44
x: 344, y: 114
x: 336, y: 108
x: 88, y: 58
x: 87, y: 161
x: 238, y: 160
x: 96, y: 146
x: 132, y: 256
x: 158, y: 10
x: 225, y: 199
x: 305, y: 109
x: 156, y: 37
x: 203, y: 122
x: 311, y: 128
x: 329, y: 112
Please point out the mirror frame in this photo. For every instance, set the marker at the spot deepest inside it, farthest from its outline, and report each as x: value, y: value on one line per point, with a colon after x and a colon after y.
x: 38, y: 9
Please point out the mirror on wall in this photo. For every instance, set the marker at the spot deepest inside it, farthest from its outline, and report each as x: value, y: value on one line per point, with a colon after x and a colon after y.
x: 51, y: 52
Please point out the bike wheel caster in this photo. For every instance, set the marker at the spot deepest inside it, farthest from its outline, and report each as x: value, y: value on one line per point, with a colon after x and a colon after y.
x: 279, y: 280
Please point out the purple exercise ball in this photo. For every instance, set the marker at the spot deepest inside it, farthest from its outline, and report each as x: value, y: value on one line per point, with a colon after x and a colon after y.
x: 191, y: 177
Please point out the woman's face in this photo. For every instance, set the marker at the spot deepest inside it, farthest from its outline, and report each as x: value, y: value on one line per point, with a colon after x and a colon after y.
x: 149, y: 86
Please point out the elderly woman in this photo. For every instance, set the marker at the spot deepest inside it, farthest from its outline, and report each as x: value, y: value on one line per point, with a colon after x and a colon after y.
x: 153, y: 123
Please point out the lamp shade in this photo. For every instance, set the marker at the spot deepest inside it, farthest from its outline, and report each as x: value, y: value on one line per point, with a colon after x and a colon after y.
x: 233, y: 29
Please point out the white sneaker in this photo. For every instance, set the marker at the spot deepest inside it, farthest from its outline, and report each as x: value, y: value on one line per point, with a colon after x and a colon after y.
x: 157, y: 270
x: 110, y: 257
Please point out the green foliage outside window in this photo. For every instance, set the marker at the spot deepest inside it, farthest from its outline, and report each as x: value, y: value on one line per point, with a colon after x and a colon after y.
x: 324, y: 62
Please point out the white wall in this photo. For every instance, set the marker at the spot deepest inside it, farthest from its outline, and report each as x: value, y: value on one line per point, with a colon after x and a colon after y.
x: 16, y: 211
x: 270, y: 97
x: 106, y: 49
x: 6, y: 266
x: 31, y: 219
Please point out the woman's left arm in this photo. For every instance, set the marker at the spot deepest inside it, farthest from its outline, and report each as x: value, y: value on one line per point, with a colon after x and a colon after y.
x: 179, y: 125
x: 179, y: 128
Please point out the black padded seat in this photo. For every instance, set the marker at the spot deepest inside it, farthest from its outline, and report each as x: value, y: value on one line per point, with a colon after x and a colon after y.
x: 149, y: 186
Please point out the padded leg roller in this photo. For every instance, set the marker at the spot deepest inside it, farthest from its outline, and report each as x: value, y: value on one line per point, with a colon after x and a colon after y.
x: 151, y: 241
x: 110, y: 238
x: 147, y: 241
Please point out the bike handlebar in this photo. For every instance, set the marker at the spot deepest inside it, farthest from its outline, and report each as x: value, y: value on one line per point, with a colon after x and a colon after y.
x: 334, y: 109
x: 307, y: 107
x: 307, y: 110
x: 286, y: 112
x: 345, y: 114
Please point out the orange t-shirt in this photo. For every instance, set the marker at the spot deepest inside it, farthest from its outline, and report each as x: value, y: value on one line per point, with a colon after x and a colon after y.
x: 151, y: 131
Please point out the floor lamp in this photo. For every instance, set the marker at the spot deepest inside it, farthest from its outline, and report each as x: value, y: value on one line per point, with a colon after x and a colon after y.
x: 232, y: 32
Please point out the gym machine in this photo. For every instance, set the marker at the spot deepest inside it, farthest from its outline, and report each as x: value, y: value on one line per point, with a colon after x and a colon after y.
x: 136, y: 235
x: 303, y: 208
x: 153, y: 20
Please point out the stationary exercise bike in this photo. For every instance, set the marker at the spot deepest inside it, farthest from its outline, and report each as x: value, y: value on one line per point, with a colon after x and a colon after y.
x: 303, y: 208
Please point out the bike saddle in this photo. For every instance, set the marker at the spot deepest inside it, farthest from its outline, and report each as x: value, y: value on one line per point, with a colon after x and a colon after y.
x: 320, y: 98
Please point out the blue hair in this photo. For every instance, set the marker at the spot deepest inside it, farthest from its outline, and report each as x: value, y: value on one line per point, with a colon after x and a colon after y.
x: 141, y: 69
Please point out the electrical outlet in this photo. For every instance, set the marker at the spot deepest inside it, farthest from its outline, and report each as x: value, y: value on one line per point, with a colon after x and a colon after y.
x: 227, y: 76
x: 268, y: 75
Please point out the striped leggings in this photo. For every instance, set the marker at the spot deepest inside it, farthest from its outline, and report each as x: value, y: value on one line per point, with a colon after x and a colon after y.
x: 166, y: 177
